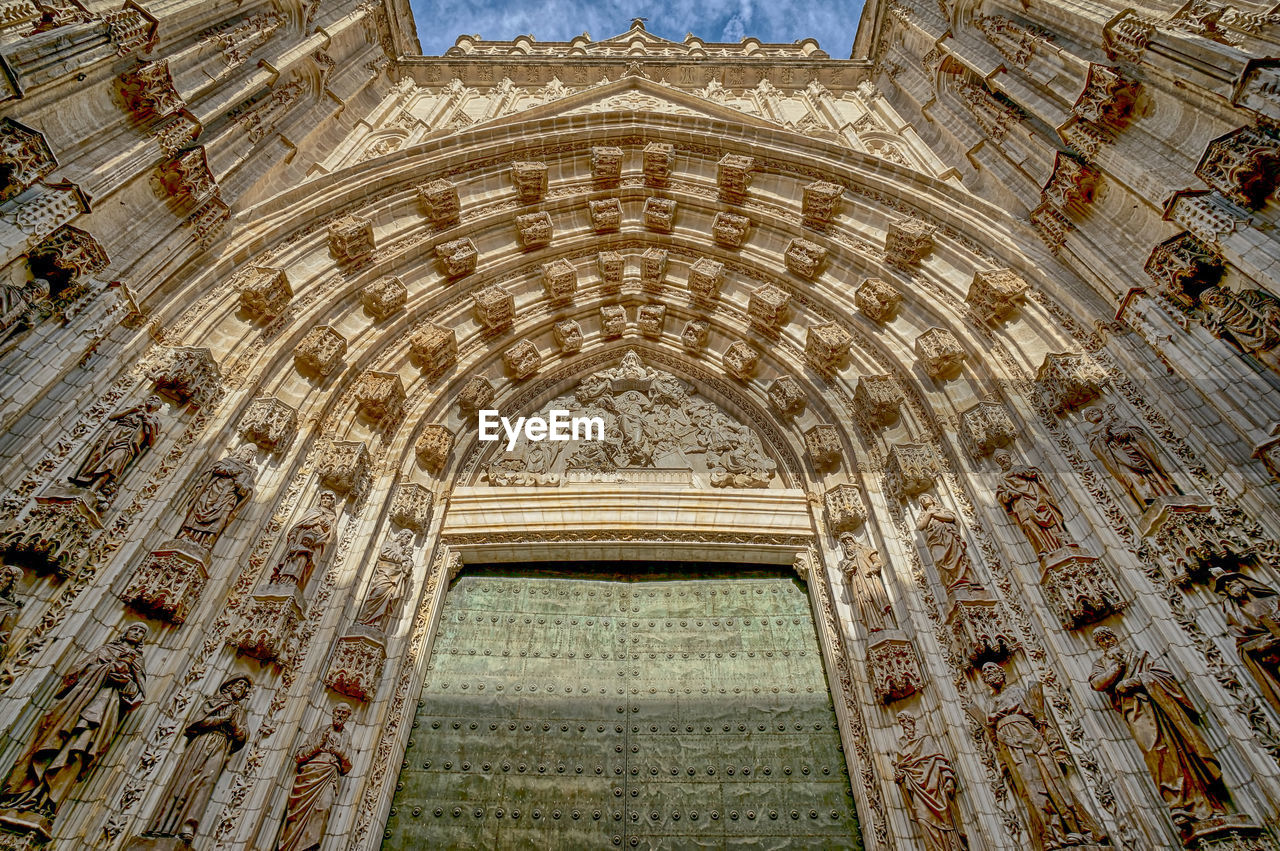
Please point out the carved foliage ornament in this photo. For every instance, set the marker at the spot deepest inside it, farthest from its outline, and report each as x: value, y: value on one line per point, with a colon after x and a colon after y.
x: 787, y: 396
x: 433, y: 349
x: 821, y: 204
x: 823, y: 443
x: 380, y: 396
x: 767, y: 308
x: 534, y: 230
x: 653, y: 268
x: 996, y: 293
x: 1070, y: 379
x: 826, y: 347
x: 433, y: 447
x: 733, y: 174
x: 740, y: 360
x: 911, y: 469
x: 559, y: 280
x: 845, y: 509
x: 730, y: 229
x: 384, y: 297
x: 706, y: 276
x: 986, y: 427
x: 264, y: 292
x: 522, y: 360
x: 878, y: 399
x: 611, y: 265
x: 494, y: 307
x: 940, y: 353
x: 320, y: 351
x: 343, y: 465
x: 877, y: 299
x: 907, y: 241
x: 25, y: 157
x: 269, y: 423
x: 440, y: 203
x: 805, y: 258
x: 457, y: 257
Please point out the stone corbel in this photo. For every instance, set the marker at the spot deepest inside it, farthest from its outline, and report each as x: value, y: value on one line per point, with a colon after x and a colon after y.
x: 659, y: 157
x: 767, y: 308
x: 706, y: 276
x: 653, y: 269
x: 559, y: 280
x: 1183, y: 266
x: 66, y: 259
x: 440, y: 203
x: 343, y: 466
x: 893, y: 666
x: 168, y: 583
x: 911, y: 469
x: 380, y: 396
x: 1070, y: 379
x: 433, y: 349
x: 494, y: 307
x: 878, y: 399
x: 805, y: 258
x: 320, y: 351
x: 147, y: 91
x: 522, y: 360
x: 264, y: 292
x: 823, y: 444
x: 611, y: 266
x: 384, y: 297
x: 351, y: 240
x: 1243, y: 165
x: 25, y: 157
x: 827, y: 346
x: 845, y: 509
x: 433, y: 447
x: 187, y: 374
x: 907, y: 241
x: 729, y: 230
x: 733, y: 175
x: 821, y: 204
x: 270, y: 424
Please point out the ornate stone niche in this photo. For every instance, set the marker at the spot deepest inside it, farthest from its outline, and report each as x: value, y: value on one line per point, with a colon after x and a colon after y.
x: 54, y: 537
x: 65, y: 258
x: 25, y: 157
x: 351, y: 240
x: 1080, y: 590
x: 457, y: 257
x: 411, y: 506
x: 1193, y: 536
x: 530, y: 180
x: 477, y: 393
x: 1243, y: 165
x: 186, y: 177
x: 147, y: 91
x: 986, y: 427
x: 695, y: 334
x: 911, y: 469
x: 1052, y: 224
x: 1184, y: 266
x: 940, y: 353
x: 1072, y: 185
x: 729, y: 230
x: 434, y: 445
x: 877, y: 299
x: 494, y: 308
x: 651, y: 319
x: 826, y: 347
x: 613, y: 320
x: 440, y: 203
x: 740, y: 360
x: 267, y: 623
x: 1070, y: 379
x: 659, y: 159
x: 559, y: 280
x: 612, y: 265
x: 821, y: 204
x: 320, y: 351
x: 996, y: 293
x: 653, y: 269
x: 269, y: 423
x: 606, y: 166
x: 168, y: 583
x: 788, y: 397
x: 534, y: 230
x: 522, y: 360
x: 907, y: 241
x: 660, y: 214
x: 568, y: 336
x: 343, y: 465
x: 706, y: 276
x: 1107, y: 99
x: 805, y: 258
x: 768, y: 309
x: 733, y: 175
x: 384, y: 297
x: 894, y: 668
x: 380, y: 396
x: 979, y: 630
x: 433, y: 349
x: 845, y: 509
x: 606, y: 215
x: 878, y: 399
x: 264, y: 292
x: 187, y: 374
x: 356, y: 665
x: 823, y: 443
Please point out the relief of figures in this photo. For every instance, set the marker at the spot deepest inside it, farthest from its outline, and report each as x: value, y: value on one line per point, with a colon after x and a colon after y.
x: 216, y: 733
x: 1253, y: 619
x: 221, y: 491
x: 1163, y: 722
x: 1130, y: 457
x: 10, y: 605
x: 862, y: 573
x: 322, y: 760
x: 126, y: 437
x: 1251, y: 317
x: 306, y: 542
x: 947, y: 546
x: 390, y: 581
x: 1025, y: 495
x: 928, y: 781
x: 104, y: 687
x: 1035, y: 763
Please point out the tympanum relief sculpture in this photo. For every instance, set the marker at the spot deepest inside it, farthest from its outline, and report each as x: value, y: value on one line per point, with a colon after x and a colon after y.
x: 321, y: 762
x: 928, y: 782
x: 126, y: 437
x: 219, y: 494
x: 1129, y: 455
x: 1253, y: 619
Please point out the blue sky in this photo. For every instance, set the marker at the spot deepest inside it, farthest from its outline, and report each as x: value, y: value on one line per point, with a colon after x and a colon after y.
x: 832, y: 24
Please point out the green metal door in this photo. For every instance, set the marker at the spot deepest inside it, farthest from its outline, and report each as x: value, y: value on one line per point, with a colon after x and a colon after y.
x: 669, y: 707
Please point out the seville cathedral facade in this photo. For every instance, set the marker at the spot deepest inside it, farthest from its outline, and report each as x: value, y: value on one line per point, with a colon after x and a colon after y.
x: 937, y: 504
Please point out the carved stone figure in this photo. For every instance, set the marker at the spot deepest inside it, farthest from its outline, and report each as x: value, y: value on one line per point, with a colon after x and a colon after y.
x: 861, y: 569
x: 126, y: 438
x: 216, y: 733
x: 1035, y: 762
x: 322, y: 760
x: 1252, y: 317
x: 1163, y: 722
x: 929, y: 783
x: 105, y: 686
x: 1253, y: 618
x: 10, y: 605
x: 947, y: 546
x: 390, y: 581
x: 219, y: 494
x: 1025, y: 495
x: 1127, y: 452
x: 306, y: 542
x: 20, y: 304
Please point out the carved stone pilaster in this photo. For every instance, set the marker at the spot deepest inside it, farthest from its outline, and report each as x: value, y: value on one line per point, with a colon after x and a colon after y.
x: 264, y: 292
x: 911, y: 469
x: 940, y: 353
x: 729, y: 230
x: 494, y: 307
x: 845, y: 509
x: 651, y: 319
x: 457, y: 257
x: 1080, y: 590
x: 320, y: 351
x: 660, y: 214
x: 343, y: 466
x: 706, y: 276
x: 356, y: 665
x: 986, y: 427
x: 878, y: 399
x: 433, y: 349
x: 611, y: 266
x: 659, y: 159
x: 877, y: 299
x: 187, y: 374
x: 1183, y: 266
x: 522, y: 360
x: 433, y: 447
x: 1107, y: 99
x: 823, y: 443
x: 476, y: 394
x: 530, y: 181
x: 606, y: 215
x: 269, y: 423
x: 379, y: 396
x: 979, y: 630
x: 694, y: 336
x: 559, y: 280
x: 534, y: 230
x: 186, y: 177
x: 788, y: 397
x: 894, y: 668
x: 267, y: 623
x: 907, y: 241
x: 440, y: 203
x: 568, y: 336
x: 733, y: 175
x: 767, y: 308
x: 826, y: 347
x: 821, y: 204
x: 147, y: 91
x: 25, y: 157
x: 1070, y: 379
x: 653, y: 268
x: 411, y: 505
x: 384, y: 297
x: 1072, y: 185
x: 994, y: 294
x: 606, y: 166
x: 740, y: 360
x: 613, y: 320
x: 54, y: 537
x: 805, y: 258
x: 168, y: 583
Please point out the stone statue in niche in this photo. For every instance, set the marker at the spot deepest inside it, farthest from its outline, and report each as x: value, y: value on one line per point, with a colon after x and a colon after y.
x: 1026, y: 497
x: 390, y: 581
x: 947, y: 546
x: 862, y: 573
x: 1253, y: 619
x: 10, y: 605
x: 1035, y: 763
x: 219, y: 494
x: 217, y: 732
x: 1165, y: 725
x: 306, y: 541
x: 126, y: 437
x: 1251, y: 317
x: 1130, y: 457
x: 104, y: 687
x: 321, y: 760
x: 929, y: 783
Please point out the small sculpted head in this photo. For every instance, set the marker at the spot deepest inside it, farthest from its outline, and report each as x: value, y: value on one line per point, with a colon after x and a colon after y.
x: 907, y: 722
x: 1003, y: 459
x: 1105, y: 638
x: 328, y: 500
x: 341, y: 713
x: 993, y: 675
x: 153, y: 403
x: 1093, y: 415
x: 136, y: 633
